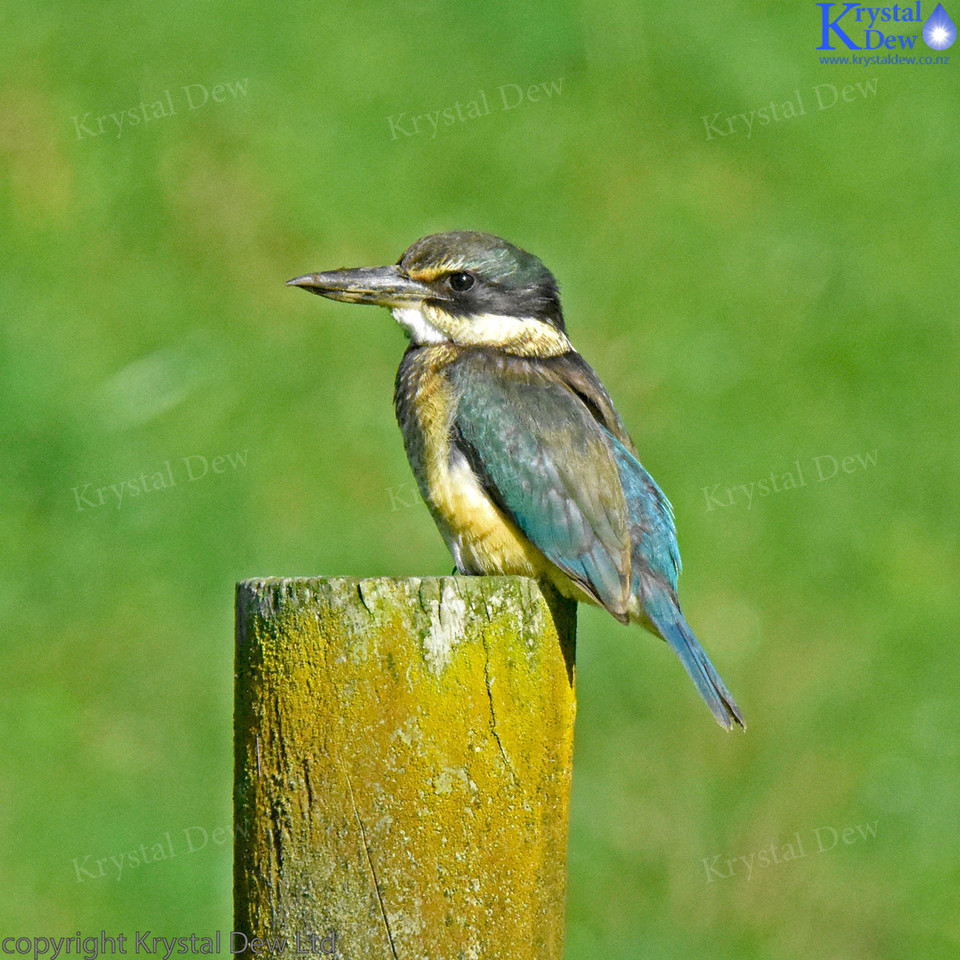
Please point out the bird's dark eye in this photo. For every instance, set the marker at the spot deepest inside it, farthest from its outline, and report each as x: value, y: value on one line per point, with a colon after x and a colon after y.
x: 460, y: 282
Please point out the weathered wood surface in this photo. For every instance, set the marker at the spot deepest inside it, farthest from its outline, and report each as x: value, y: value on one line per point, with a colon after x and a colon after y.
x: 403, y: 761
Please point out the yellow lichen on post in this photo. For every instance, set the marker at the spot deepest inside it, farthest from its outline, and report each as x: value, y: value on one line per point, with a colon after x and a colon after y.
x: 403, y: 762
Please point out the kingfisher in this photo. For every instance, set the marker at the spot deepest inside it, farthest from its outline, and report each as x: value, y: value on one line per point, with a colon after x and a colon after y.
x: 518, y: 451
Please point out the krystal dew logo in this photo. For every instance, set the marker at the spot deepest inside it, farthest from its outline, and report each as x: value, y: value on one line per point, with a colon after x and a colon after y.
x: 839, y: 20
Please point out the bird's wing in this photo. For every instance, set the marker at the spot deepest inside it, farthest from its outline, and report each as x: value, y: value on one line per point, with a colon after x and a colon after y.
x: 580, y: 377
x: 653, y: 532
x: 547, y: 463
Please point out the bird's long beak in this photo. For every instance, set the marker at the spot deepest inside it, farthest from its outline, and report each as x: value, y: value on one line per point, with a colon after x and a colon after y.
x: 384, y: 286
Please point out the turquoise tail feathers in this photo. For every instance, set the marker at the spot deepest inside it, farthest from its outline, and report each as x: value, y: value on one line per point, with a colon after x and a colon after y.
x: 665, y: 615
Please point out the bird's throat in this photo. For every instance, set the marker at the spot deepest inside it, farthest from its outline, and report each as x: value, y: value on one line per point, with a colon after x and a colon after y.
x: 520, y: 336
x: 419, y: 329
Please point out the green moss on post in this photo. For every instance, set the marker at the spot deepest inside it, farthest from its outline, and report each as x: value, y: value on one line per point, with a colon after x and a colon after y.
x: 403, y: 760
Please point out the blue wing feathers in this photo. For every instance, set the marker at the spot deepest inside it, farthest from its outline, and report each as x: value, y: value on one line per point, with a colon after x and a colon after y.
x: 654, y: 535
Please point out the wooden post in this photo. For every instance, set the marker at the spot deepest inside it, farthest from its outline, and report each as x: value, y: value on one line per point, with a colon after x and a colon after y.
x: 403, y: 758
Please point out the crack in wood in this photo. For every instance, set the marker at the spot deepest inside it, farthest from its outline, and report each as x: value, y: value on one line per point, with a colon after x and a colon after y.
x: 373, y: 871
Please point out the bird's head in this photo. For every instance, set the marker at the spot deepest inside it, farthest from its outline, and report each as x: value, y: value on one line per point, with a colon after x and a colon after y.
x: 471, y: 289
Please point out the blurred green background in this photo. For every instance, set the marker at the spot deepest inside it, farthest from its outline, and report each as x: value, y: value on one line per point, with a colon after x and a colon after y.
x: 752, y: 300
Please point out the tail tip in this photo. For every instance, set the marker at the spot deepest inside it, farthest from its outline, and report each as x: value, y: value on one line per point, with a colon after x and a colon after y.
x: 729, y: 715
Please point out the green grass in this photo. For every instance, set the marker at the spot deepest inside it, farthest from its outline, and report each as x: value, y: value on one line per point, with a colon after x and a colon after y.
x: 749, y: 302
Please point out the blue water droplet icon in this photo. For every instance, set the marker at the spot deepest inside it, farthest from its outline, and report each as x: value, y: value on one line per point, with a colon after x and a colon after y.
x: 939, y: 32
